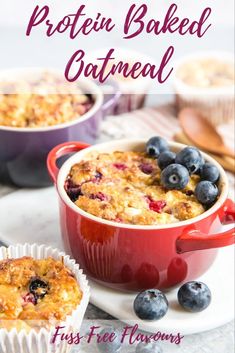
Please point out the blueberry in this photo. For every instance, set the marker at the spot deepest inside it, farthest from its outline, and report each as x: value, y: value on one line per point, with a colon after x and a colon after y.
x: 156, y: 145
x: 38, y: 288
x: 73, y: 191
x: 194, y: 296
x: 198, y: 172
x: 210, y: 172
x: 151, y: 305
x: 166, y: 158
x: 191, y: 158
x: 150, y: 347
x: 110, y: 347
x: 175, y: 176
x: 206, y: 192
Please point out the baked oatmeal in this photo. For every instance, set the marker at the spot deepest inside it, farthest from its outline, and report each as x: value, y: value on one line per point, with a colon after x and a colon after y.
x: 43, y: 102
x: 207, y: 73
x: 126, y: 187
x: 36, y: 292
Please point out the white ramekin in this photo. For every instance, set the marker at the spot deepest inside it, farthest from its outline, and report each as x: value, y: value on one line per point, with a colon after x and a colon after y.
x: 39, y: 341
x: 215, y: 104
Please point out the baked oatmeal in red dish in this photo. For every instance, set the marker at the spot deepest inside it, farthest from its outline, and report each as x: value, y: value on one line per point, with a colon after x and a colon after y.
x: 126, y: 187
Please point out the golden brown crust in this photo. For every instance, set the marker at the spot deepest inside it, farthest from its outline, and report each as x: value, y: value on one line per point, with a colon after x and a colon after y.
x: 63, y: 293
x: 207, y: 73
x: 31, y: 104
x: 125, y: 187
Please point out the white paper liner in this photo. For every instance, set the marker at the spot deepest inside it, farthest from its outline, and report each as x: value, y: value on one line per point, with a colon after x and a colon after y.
x: 216, y: 104
x: 99, y: 258
x: 218, y: 110
x: 40, y: 341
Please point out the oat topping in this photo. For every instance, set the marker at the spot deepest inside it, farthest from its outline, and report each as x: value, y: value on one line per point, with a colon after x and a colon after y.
x: 207, y: 73
x: 36, y: 292
x: 43, y: 102
x: 125, y: 187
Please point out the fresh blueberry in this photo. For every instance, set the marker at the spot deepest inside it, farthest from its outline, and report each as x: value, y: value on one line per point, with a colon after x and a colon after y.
x: 198, y: 172
x: 194, y: 296
x: 210, y: 172
x: 166, y: 158
x: 156, y: 145
x: 191, y: 158
x: 151, y: 305
x: 175, y: 176
x: 110, y: 347
x: 38, y: 288
x: 206, y: 192
x: 150, y: 347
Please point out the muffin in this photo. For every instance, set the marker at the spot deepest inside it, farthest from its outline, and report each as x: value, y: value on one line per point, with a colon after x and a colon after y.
x: 205, y: 82
x: 40, y: 288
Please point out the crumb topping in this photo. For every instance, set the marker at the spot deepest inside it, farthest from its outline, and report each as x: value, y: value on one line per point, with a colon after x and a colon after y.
x: 208, y: 72
x: 44, y: 102
x: 36, y: 292
x: 125, y: 187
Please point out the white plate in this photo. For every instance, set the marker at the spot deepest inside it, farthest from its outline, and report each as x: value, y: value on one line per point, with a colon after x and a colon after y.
x: 220, y: 280
x: 32, y: 216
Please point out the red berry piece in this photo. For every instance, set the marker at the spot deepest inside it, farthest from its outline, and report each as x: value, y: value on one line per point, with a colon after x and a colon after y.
x: 29, y: 298
x: 120, y: 166
x: 100, y: 196
x: 146, y: 168
x: 156, y: 206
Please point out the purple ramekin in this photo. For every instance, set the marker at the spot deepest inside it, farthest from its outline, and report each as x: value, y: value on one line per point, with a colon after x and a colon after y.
x: 23, y: 151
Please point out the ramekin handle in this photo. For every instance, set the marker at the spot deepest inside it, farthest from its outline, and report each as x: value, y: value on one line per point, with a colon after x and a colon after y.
x: 196, y: 240
x: 227, y: 215
x: 59, y: 151
x: 110, y: 99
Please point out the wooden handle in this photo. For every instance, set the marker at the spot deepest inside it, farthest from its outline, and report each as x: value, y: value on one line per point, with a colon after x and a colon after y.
x: 227, y: 163
x: 227, y: 152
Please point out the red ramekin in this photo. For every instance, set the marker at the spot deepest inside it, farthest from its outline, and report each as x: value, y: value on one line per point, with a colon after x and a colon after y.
x: 134, y: 257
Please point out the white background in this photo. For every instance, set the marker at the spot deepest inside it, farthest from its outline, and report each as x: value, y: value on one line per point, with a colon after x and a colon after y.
x: 14, y: 12
x: 17, y: 50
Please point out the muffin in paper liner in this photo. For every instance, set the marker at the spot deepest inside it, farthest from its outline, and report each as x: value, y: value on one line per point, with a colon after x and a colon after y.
x: 216, y: 109
x: 216, y: 104
x: 39, y: 340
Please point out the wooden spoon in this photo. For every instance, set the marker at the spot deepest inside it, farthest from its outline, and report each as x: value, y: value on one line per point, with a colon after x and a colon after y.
x: 227, y: 163
x: 203, y: 133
